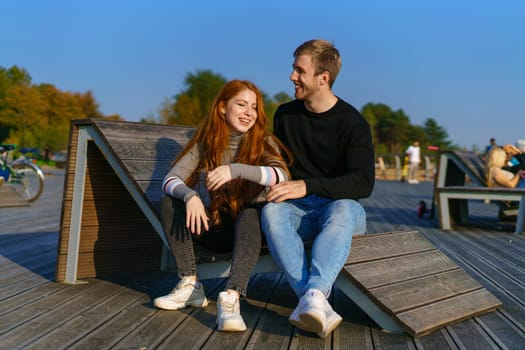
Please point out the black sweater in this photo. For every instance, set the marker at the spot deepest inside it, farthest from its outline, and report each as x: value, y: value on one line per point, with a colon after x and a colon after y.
x: 333, y: 151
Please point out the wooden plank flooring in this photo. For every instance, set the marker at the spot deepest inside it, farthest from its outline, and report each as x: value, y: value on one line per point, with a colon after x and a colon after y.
x: 116, y: 312
x: 9, y: 197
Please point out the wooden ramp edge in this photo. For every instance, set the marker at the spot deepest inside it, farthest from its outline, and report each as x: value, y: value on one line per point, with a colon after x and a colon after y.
x: 108, y: 222
x: 415, y: 283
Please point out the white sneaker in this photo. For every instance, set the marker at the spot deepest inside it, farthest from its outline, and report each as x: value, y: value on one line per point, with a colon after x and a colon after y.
x: 333, y: 319
x: 294, y: 317
x: 186, y: 293
x: 229, y: 317
x: 309, y: 315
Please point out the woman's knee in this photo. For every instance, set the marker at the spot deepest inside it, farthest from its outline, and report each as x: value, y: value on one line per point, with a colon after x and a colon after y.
x: 249, y: 215
x: 248, y: 222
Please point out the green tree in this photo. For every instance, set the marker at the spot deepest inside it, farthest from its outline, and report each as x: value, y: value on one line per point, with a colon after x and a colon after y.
x: 271, y: 104
x: 390, y: 129
x: 9, y: 78
x: 436, y: 135
x: 40, y: 115
x: 192, y: 104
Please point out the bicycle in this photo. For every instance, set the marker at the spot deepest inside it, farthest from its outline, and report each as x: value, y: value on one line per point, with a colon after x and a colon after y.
x: 26, y: 177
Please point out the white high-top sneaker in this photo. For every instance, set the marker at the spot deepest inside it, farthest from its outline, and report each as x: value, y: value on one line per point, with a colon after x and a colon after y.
x: 333, y: 319
x: 315, y: 314
x: 186, y: 293
x: 309, y: 315
x: 229, y: 317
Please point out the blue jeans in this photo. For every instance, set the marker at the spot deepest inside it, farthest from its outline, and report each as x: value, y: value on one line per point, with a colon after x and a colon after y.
x: 329, y: 223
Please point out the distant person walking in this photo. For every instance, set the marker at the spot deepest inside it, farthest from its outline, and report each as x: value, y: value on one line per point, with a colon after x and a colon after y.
x: 414, y: 158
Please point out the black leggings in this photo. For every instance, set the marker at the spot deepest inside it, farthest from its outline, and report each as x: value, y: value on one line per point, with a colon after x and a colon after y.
x: 244, y: 237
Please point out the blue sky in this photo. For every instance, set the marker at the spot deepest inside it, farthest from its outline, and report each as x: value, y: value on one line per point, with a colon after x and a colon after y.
x: 461, y: 62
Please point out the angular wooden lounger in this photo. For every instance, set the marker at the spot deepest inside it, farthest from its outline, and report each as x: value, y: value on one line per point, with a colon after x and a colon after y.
x: 110, y: 224
x: 452, y: 193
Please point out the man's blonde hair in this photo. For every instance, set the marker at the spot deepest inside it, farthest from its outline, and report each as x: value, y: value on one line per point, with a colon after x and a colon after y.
x: 325, y: 57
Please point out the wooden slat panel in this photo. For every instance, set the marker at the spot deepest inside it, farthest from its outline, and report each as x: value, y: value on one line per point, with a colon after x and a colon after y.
x: 164, y: 149
x: 378, y: 246
x: 103, y: 263
x: 393, y: 270
x: 128, y: 131
x: 148, y: 170
x: 425, y: 319
x: 115, y: 237
x: 474, y: 163
x: 109, y: 189
x: 105, y: 212
x: 402, y: 284
x: 407, y: 295
x: 113, y: 228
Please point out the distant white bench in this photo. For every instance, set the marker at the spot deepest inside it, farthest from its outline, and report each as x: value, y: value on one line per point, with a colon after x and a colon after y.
x: 453, y: 192
x: 110, y: 224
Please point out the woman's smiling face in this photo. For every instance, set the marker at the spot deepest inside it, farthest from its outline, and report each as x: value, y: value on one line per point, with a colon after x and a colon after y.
x: 241, y: 111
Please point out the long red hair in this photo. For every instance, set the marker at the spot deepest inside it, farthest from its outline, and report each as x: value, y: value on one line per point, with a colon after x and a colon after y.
x: 213, y: 137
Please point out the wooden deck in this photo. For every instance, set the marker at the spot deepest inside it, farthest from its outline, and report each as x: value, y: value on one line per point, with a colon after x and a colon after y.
x: 116, y: 311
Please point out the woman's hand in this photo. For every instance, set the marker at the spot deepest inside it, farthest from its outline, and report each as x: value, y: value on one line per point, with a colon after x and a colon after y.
x: 196, y: 218
x: 218, y: 177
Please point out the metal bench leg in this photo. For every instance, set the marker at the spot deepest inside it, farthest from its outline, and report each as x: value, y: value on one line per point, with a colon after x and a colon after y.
x: 76, y: 208
x: 444, y: 212
x: 520, y: 223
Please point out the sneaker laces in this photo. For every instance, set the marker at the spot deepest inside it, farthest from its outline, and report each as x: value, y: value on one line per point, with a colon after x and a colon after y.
x: 183, y: 285
x: 228, y: 303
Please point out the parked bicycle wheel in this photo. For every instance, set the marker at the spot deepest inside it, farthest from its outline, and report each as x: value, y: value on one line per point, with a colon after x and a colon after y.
x: 28, y: 180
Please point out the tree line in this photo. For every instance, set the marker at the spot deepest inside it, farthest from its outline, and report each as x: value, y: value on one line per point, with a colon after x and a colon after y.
x: 39, y: 115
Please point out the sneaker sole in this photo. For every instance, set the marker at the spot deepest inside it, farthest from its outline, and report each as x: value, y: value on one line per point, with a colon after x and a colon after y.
x: 173, y: 307
x: 231, y: 326
x: 311, y: 322
x: 296, y: 323
x: 330, y: 326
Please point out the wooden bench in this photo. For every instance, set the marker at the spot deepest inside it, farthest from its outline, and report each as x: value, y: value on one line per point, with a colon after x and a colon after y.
x: 110, y: 224
x: 452, y: 192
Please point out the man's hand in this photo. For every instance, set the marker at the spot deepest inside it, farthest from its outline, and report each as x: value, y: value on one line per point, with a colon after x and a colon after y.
x: 196, y: 217
x: 286, y: 190
x: 218, y: 177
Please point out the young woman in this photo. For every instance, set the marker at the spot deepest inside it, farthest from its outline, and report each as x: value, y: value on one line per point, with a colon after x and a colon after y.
x: 214, y: 193
x: 496, y: 176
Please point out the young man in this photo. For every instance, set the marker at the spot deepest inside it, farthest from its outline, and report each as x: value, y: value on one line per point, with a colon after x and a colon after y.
x: 333, y: 167
x: 414, y: 158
